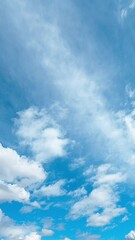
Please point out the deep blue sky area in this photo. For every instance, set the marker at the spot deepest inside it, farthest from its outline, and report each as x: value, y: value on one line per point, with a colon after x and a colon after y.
x: 67, y: 120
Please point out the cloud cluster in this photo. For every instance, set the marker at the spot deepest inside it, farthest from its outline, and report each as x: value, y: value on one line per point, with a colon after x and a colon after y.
x: 20, y: 175
x: 17, y: 173
x: 12, y: 231
x: 100, y: 206
x: 9, y: 230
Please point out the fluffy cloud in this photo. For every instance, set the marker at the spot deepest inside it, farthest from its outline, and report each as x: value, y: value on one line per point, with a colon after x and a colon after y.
x: 17, y: 173
x: 103, y: 196
x: 10, y: 192
x: 52, y: 190
x: 39, y: 131
x: 130, y: 235
x: 14, y: 167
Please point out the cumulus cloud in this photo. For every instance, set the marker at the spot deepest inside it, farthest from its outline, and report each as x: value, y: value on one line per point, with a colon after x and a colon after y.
x: 17, y: 174
x: 14, y: 167
x: 103, y: 196
x: 40, y: 132
x: 12, y: 192
x: 52, y: 190
x: 130, y: 235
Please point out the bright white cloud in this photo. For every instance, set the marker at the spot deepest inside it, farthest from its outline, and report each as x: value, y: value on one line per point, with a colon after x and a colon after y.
x: 39, y: 131
x: 17, y: 174
x: 130, y: 235
x: 14, y: 167
x: 33, y: 236
x: 12, y: 192
x: 66, y: 238
x: 52, y: 190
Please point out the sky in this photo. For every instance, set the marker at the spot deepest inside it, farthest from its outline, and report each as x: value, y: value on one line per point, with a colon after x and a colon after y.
x: 67, y: 120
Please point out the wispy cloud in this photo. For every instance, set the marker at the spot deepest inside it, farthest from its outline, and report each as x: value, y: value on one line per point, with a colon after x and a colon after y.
x: 125, y: 11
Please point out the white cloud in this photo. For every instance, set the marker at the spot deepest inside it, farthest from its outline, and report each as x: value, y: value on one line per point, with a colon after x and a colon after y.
x: 66, y: 238
x: 9, y: 230
x: 78, y: 192
x: 47, y: 232
x: 14, y: 167
x: 33, y: 236
x: 77, y: 163
x: 103, y: 196
x: 80, y: 92
x: 87, y: 236
x: 125, y: 11
x: 52, y: 190
x: 125, y: 218
x: 130, y: 235
x: 40, y: 132
x: 17, y: 174
x: 12, y: 192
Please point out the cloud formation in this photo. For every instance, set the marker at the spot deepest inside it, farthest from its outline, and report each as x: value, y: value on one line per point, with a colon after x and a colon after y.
x: 52, y: 190
x: 103, y: 196
x: 130, y: 235
x: 41, y: 134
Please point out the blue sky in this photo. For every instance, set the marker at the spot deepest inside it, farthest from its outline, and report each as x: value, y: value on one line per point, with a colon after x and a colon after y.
x: 67, y: 120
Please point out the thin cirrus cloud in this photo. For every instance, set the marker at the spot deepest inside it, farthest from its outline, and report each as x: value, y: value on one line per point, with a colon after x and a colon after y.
x: 125, y: 11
